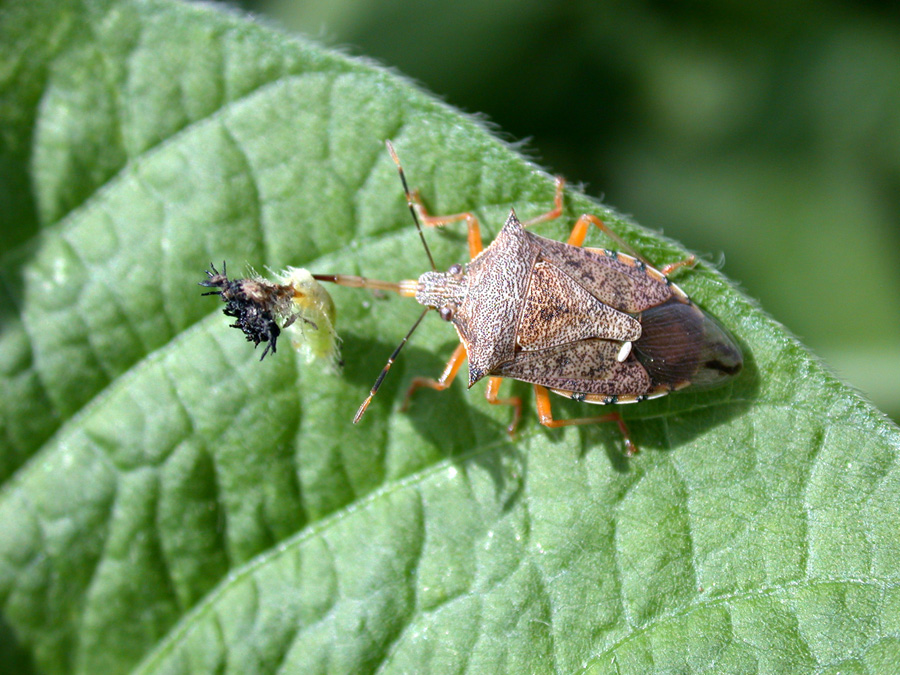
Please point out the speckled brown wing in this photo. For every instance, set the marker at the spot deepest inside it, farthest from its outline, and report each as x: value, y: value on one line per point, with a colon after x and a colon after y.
x: 586, y: 366
x: 617, y: 281
x: 558, y: 310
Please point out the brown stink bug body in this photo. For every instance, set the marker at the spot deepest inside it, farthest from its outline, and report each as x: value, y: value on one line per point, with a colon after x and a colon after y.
x: 593, y: 325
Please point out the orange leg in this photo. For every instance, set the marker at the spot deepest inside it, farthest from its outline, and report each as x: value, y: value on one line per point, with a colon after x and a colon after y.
x: 671, y: 267
x: 491, y: 394
x: 449, y: 374
x: 557, y: 209
x: 542, y: 397
x: 444, y: 381
x: 579, y: 232
x: 476, y: 245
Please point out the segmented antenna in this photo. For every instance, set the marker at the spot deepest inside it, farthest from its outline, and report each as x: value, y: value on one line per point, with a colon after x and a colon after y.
x: 387, y: 367
x: 407, y: 288
x: 410, y: 202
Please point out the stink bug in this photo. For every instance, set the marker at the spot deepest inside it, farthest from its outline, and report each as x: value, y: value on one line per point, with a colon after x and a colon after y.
x: 593, y: 325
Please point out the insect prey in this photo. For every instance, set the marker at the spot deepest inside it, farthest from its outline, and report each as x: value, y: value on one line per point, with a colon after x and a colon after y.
x: 258, y: 305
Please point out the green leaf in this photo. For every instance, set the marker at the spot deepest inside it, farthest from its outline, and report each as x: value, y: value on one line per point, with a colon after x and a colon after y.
x: 170, y: 504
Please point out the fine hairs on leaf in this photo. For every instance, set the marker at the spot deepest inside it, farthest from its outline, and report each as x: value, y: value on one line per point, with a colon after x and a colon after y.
x: 172, y: 505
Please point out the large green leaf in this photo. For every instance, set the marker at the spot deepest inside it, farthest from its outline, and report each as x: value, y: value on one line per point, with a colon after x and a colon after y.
x: 170, y: 504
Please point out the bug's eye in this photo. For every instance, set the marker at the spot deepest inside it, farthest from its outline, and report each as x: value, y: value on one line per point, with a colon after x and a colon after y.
x: 456, y: 268
x: 446, y: 313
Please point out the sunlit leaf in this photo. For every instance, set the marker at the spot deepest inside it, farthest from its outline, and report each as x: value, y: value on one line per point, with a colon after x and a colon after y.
x: 170, y: 504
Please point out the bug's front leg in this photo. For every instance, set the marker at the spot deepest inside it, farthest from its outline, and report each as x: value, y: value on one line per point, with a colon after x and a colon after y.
x: 447, y: 377
x: 476, y: 245
x: 444, y: 381
x: 545, y: 413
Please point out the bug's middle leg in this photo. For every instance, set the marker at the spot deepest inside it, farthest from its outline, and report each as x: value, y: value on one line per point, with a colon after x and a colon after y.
x: 493, y: 388
x: 545, y: 414
x: 579, y: 232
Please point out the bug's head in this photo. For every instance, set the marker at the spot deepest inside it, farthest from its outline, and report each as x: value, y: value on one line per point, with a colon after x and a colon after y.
x: 443, y: 291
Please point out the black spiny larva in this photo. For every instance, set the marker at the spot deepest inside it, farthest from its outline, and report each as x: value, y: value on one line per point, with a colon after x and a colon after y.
x: 255, y: 303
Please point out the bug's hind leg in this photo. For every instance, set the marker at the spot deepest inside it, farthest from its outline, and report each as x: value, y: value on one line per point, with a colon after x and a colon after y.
x: 671, y: 267
x: 493, y: 388
x: 444, y: 381
x: 545, y: 413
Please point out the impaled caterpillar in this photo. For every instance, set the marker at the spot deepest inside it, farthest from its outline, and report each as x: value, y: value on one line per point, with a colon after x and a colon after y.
x: 258, y: 305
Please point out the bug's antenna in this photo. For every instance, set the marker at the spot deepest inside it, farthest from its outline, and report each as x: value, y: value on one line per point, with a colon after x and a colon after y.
x: 384, y: 371
x: 410, y: 202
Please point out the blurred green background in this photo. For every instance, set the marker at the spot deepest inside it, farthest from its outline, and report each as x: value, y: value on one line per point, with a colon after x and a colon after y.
x: 767, y: 131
